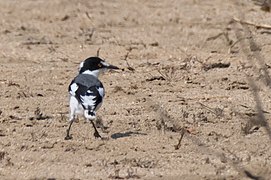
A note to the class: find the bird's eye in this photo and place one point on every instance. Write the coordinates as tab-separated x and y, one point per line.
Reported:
100	65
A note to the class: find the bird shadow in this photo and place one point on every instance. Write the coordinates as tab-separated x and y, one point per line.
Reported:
125	134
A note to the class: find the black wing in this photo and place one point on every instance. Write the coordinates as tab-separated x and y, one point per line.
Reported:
90	97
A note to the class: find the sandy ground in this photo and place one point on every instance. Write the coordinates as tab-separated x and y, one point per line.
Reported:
186	68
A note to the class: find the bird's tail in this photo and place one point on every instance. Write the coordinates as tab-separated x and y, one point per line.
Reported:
90	114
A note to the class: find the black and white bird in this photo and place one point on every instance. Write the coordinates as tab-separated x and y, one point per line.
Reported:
87	91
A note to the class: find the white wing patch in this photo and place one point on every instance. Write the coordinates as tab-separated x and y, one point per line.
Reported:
101	91
74	88
88	101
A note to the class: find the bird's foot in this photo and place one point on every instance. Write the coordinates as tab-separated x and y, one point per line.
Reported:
68	137
97	135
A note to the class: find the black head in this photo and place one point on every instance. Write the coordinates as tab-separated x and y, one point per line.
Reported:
95	64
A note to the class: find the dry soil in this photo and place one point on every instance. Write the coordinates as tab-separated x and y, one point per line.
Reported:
187	67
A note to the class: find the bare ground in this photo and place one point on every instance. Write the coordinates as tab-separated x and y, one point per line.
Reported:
186	65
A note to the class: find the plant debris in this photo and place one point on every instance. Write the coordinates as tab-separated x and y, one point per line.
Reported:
207	67
39	115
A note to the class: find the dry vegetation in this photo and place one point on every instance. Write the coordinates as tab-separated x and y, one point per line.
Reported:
192	100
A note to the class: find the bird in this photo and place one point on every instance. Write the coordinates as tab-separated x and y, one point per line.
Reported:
87	92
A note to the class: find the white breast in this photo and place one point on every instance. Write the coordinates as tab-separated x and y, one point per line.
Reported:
74	88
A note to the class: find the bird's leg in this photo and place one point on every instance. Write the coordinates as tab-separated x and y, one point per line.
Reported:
73	107
96	133
68	136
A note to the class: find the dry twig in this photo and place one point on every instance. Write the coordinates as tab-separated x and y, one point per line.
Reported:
263	26
183	131
98	52
254	49
217	111
225	34
126	57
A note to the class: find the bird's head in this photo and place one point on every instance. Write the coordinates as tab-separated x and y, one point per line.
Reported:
94	66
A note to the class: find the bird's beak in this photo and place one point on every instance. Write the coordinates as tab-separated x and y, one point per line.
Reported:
105	65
